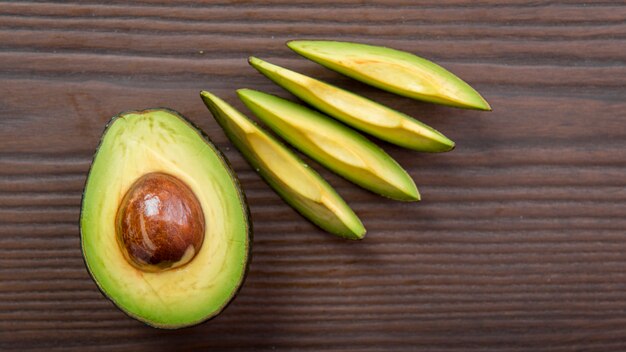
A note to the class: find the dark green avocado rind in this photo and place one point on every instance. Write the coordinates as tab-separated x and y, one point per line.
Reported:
242	199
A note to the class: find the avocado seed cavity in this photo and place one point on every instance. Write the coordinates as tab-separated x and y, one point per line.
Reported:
160	224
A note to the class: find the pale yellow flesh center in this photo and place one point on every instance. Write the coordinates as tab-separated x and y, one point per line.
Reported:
283	167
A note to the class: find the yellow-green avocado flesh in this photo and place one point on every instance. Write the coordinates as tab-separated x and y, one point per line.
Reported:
298	184
357	111
332	144
393	70
160	140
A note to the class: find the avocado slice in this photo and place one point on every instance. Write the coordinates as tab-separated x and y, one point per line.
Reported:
392	70
299	185
357	111
339	148
165	229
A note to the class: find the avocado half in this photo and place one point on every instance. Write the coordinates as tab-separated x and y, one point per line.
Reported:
135	146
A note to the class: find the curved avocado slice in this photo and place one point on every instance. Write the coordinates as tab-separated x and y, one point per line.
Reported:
333	145
392	70
357	111
299	185
139	143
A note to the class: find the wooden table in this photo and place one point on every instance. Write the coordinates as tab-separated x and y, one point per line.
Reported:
519	243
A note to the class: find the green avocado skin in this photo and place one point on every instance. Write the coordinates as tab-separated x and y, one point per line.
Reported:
337	147
283	171
392	70
357	111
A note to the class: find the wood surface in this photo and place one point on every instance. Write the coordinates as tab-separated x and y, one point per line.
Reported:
519	243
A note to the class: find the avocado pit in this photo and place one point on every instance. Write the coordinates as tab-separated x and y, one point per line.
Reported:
160	223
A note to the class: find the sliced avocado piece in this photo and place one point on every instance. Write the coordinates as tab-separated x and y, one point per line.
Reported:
339	148
357	111
392	70
299	185
165	229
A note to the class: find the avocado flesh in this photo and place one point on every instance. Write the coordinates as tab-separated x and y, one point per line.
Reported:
299	185
339	148
135	144
392	70
357	111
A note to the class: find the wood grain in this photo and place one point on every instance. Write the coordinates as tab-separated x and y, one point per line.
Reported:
518	245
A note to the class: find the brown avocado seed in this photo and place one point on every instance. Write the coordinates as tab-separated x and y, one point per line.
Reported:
160	223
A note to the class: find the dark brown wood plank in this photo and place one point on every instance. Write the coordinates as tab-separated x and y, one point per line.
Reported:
518	244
